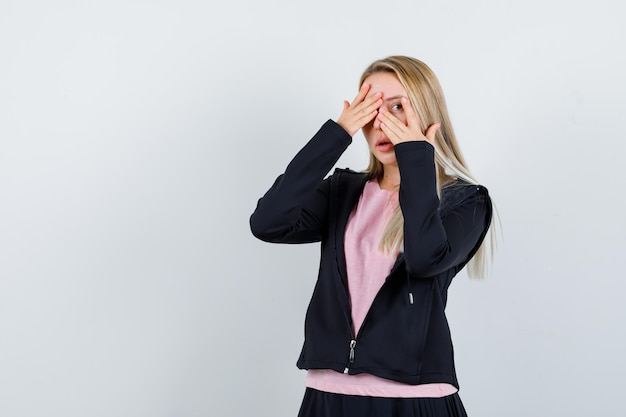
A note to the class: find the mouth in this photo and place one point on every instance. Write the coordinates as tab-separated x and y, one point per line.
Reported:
383	141
384	145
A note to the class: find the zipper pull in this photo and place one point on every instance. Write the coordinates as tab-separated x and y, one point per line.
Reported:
352	345
351	356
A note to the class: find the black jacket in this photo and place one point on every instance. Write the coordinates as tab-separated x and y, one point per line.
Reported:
405	335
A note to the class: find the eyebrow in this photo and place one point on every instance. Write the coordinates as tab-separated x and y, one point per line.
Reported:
394	98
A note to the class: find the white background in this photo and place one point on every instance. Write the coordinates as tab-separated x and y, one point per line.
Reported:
136	137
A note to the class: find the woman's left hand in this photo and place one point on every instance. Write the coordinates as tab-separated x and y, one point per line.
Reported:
397	131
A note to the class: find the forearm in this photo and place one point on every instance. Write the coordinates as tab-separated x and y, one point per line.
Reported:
435	240
296	201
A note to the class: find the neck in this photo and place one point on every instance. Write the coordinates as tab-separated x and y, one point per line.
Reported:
391	178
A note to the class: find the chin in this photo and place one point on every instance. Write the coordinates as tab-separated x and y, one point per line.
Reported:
387	159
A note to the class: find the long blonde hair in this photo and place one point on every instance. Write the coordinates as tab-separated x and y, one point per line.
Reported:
428	101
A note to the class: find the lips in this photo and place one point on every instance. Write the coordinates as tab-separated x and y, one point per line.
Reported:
384	145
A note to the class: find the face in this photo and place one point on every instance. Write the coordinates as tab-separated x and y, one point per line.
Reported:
392	92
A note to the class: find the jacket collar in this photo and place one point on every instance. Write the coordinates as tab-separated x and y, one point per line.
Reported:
346	189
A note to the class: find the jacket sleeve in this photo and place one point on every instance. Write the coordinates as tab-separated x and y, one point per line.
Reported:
295	208
436	240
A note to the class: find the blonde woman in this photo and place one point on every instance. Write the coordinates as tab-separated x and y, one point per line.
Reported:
377	342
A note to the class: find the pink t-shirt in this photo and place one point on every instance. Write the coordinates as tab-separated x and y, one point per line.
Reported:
367	269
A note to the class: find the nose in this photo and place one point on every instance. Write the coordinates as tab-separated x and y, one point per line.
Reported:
376	123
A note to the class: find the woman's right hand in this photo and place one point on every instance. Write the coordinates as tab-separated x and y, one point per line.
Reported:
361	111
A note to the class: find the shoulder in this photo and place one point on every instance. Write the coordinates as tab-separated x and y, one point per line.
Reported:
347	173
461	192
351	172
347	178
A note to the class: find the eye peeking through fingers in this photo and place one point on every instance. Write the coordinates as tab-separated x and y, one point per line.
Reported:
396	109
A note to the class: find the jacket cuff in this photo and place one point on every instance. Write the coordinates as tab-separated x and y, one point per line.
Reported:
413	152
332	130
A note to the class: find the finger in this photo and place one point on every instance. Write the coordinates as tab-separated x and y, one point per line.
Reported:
393	129
391	121
392	134
373	99
365	88
366	118
411	116
369	108
431	132
353	117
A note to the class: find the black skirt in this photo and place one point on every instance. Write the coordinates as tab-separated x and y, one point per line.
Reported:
325	404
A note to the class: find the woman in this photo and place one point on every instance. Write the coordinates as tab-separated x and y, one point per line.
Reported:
377	342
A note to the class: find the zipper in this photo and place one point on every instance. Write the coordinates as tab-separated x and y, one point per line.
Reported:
344	279
354	334
350	356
